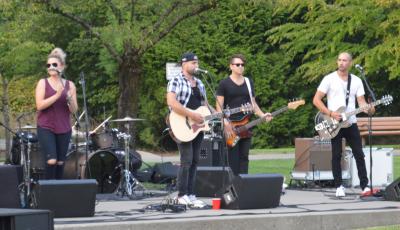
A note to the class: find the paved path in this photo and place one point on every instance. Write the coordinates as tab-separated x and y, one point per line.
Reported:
151	157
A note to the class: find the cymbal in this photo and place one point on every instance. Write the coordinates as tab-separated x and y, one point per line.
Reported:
28	127
126	119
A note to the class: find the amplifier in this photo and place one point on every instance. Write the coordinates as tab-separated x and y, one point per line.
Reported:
313	160
382	167
312	154
211	152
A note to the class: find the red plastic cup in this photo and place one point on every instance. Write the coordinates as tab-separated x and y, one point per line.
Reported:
216	203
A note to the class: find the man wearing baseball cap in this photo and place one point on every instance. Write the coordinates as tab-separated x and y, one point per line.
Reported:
188	92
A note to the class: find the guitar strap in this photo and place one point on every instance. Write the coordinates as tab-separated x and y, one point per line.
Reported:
348	89
249	89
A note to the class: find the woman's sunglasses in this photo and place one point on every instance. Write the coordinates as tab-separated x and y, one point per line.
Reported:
52	64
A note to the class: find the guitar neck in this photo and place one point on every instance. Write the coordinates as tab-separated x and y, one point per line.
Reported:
262	119
360	109
213	116
225	111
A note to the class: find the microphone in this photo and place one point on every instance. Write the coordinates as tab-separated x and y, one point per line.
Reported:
55	69
359	67
198	70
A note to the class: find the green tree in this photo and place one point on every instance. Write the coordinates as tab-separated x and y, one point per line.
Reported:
19	56
127	30
314	32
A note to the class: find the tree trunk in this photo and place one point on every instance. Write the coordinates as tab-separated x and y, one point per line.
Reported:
128	77
128	103
6	115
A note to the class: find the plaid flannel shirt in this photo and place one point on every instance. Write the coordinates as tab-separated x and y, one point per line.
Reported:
181	87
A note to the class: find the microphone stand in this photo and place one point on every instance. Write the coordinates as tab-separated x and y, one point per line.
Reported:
85	110
371	96
224	147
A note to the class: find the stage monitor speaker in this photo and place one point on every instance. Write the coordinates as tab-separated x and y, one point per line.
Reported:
164	172
312	154
22	219
66	198
392	191
209	181
253	191
211	152
10	178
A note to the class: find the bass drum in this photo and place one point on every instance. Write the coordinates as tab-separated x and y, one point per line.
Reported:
102	165
135	160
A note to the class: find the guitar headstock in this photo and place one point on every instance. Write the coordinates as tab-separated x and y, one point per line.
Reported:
246	108
387	99
296	103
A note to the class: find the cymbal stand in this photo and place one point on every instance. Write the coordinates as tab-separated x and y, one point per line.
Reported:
128	182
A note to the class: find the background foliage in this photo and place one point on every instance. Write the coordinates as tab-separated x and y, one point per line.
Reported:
289	44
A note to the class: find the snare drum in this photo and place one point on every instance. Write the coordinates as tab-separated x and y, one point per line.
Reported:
106	140
103	165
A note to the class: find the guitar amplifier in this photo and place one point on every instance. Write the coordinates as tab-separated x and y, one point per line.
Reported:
312	154
382	167
211	152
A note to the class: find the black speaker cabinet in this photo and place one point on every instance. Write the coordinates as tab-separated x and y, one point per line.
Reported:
392	191
315	155
10	178
164	172
209	180
253	191
211	151
66	198
22	219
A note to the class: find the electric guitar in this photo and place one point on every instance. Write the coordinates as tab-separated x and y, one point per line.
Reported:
242	128
184	129
328	127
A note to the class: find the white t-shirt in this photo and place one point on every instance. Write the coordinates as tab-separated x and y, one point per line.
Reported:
335	89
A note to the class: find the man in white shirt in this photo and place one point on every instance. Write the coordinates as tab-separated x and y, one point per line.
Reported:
335	86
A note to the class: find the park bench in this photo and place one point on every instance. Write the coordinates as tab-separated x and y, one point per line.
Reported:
381	126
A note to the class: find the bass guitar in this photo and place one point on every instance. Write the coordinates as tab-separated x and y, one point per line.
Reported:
242	128
185	129
328	127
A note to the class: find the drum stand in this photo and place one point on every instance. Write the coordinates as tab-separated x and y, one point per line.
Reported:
25	186
129	184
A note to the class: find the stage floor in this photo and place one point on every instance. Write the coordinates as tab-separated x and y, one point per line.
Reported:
299	209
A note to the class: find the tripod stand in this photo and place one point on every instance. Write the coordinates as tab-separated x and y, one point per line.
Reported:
25	138
128	184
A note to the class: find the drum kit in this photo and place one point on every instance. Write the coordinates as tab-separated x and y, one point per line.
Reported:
110	159
107	161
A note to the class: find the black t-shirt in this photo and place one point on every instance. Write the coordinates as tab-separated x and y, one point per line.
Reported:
195	99
235	95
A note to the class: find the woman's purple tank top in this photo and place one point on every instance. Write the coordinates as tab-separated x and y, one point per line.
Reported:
56	117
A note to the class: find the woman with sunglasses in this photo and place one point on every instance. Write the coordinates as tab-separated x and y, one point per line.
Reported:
55	101
235	91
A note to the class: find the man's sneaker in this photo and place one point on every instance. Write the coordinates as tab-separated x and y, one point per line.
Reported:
196	203
340	191
184	200
366	192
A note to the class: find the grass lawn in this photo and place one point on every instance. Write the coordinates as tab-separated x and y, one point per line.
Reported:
391	227
269	151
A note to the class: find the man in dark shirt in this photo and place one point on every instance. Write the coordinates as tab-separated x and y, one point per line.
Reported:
233	92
